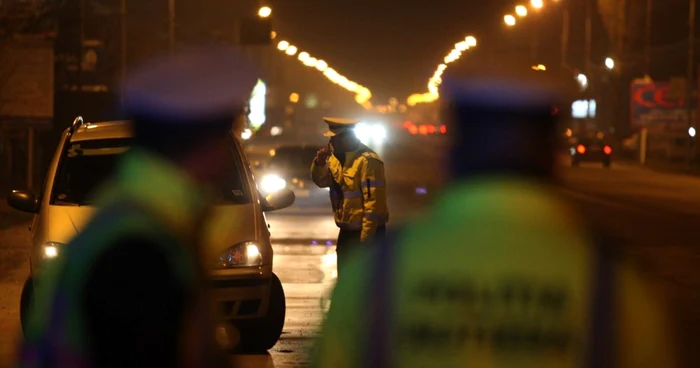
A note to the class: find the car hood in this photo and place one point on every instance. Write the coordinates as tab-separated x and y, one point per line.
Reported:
229	225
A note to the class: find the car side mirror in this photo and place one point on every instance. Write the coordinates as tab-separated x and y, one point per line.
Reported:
24	201
278	200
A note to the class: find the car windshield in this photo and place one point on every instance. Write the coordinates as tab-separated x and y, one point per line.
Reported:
293	158
87	164
590	141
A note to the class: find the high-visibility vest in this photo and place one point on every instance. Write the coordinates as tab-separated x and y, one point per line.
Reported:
499	273
357	190
56	334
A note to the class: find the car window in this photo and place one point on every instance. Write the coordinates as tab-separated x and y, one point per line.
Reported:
83	167
589	140
233	188
87	164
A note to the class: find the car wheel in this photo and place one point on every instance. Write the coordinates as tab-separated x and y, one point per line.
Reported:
261	334
25	303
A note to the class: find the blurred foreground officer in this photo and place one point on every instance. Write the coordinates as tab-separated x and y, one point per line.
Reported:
500	272
128	291
355	175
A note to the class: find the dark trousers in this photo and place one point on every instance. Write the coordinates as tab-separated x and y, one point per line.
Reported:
349	240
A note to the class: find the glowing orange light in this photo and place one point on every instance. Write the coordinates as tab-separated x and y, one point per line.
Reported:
443	129
413	129
581	149
607	150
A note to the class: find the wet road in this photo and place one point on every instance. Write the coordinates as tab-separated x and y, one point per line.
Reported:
653	215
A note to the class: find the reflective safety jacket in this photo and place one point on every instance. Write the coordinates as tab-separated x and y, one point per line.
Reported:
140	204
357	190
498	274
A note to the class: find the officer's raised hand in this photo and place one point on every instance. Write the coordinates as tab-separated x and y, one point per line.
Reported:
322	155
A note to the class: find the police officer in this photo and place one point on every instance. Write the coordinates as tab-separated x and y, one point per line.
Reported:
128	291
500	272
355	175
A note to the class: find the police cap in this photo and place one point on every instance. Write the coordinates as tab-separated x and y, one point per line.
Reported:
500	117
196	93
339	125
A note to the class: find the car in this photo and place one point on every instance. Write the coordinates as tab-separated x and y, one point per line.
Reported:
239	254
590	149
290	167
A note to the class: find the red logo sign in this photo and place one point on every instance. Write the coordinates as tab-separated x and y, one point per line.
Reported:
654	96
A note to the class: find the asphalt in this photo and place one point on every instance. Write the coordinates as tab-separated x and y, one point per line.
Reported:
652	216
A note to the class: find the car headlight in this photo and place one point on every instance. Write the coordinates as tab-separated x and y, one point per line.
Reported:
51	250
379	133
272	183
245	254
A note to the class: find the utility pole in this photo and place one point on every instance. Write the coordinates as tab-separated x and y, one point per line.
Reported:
689	76
588	40
171	26
82	51
123	48
535	45
565	37
647	39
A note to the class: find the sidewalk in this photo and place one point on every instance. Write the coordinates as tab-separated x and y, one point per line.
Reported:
692	169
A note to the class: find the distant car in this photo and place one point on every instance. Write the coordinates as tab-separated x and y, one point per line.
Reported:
246	293
290	168
590	149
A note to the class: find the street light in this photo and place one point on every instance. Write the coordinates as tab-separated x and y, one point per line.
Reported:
264	12
691	132
283	45
521	11
291	50
537	4
583	81
610	63
509	19
539	68
321	65
471	41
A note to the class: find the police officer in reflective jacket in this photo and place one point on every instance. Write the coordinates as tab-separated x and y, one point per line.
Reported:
129	290
355	176
499	272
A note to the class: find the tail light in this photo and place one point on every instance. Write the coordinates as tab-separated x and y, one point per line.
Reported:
443	129
607	150
581	149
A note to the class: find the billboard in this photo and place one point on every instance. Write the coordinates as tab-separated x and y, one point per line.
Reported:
651	107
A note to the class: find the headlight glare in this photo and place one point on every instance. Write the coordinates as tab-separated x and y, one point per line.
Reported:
245	254
272	183
50	250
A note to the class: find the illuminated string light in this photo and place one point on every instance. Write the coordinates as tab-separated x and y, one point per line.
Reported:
432	95
435	81
362	94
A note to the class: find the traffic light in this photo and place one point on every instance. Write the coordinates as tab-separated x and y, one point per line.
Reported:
256	31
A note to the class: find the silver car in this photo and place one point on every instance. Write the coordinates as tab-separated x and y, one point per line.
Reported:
238	252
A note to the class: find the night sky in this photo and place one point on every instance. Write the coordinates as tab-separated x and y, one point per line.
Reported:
393	46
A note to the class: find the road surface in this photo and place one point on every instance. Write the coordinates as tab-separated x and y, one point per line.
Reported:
653	215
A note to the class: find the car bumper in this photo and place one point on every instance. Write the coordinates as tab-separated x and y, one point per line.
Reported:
591	157
241	293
